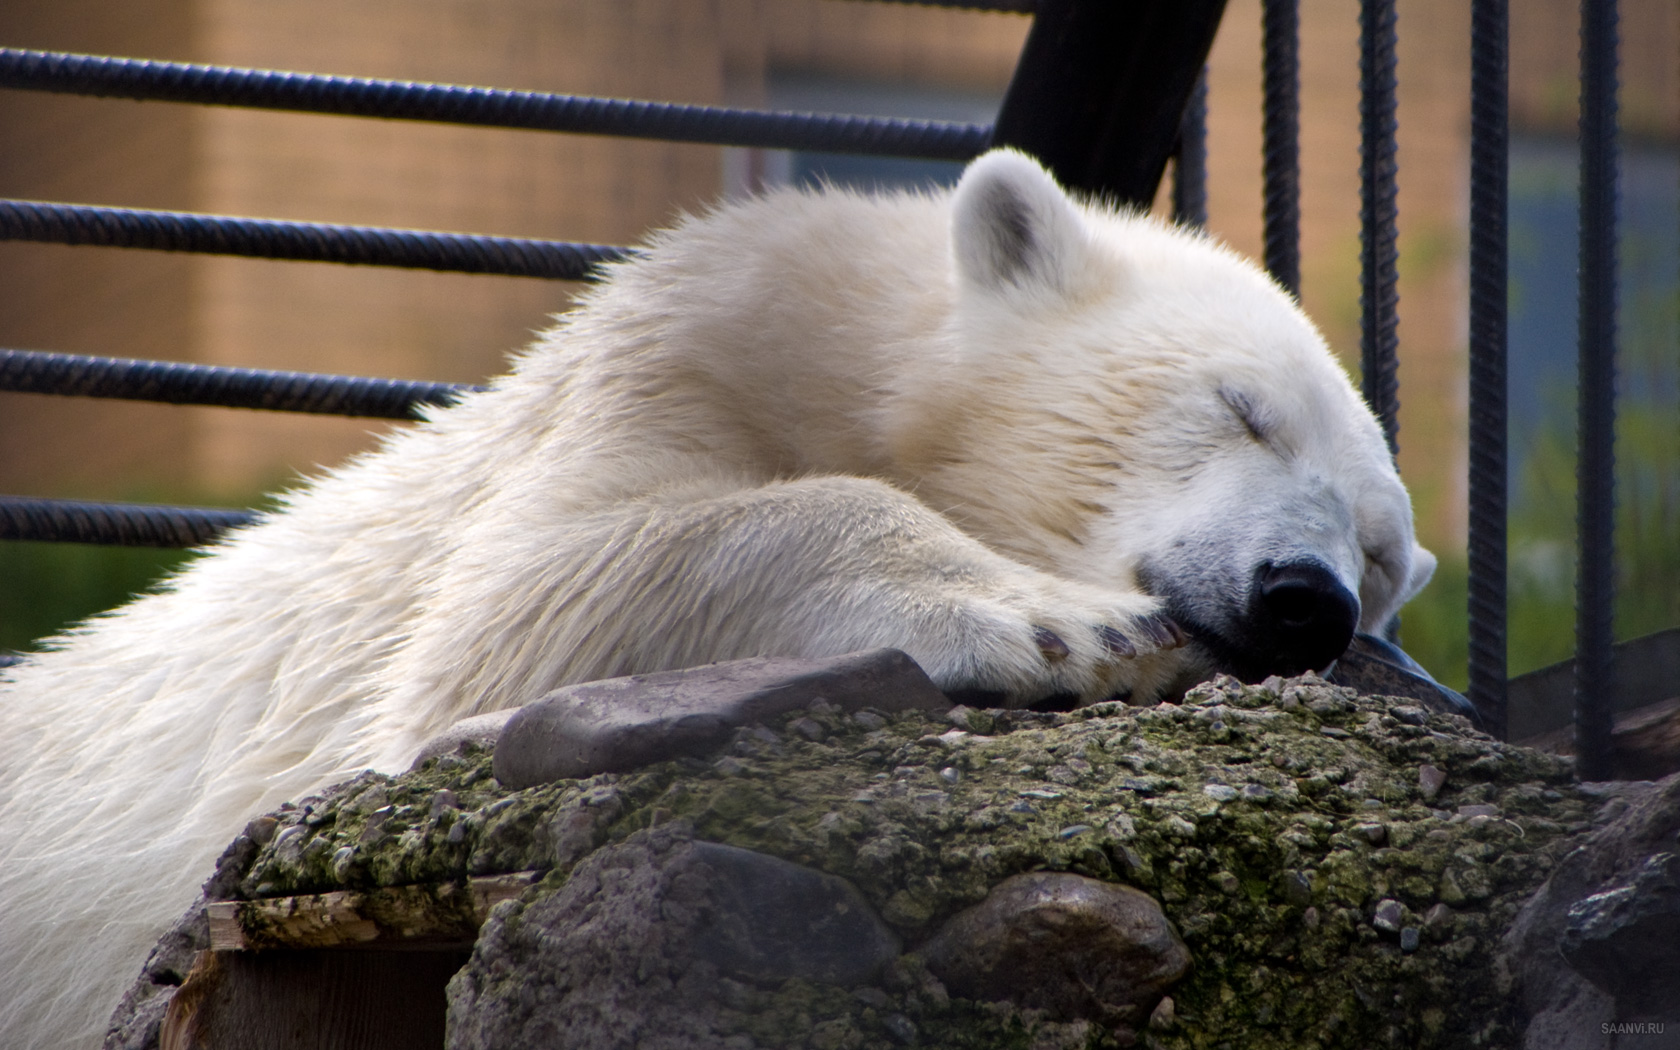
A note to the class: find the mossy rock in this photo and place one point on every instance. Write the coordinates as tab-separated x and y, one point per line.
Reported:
1327	896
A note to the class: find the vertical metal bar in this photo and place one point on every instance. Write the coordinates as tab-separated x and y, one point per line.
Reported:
1595	467
1100	88
1190	165
1281	46
1379	297
1489	176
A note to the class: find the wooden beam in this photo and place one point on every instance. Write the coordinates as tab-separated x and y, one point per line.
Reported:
439	915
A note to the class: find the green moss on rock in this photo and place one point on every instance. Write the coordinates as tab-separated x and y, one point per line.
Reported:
1284	828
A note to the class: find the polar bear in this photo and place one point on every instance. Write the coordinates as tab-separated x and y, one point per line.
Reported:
1032	441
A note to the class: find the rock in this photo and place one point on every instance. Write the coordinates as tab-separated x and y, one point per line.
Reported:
1590	950
623	723
770	920
1069	945
1626	940
1380	668
683	922
1388	915
479	730
1267	890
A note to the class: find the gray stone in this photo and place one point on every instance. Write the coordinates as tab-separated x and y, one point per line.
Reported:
482	730
771	919
623	723
1069	945
1563	926
1626	940
646	945
1372	665
1388	915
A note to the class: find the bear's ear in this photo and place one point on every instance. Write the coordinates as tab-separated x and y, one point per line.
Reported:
1423	567
1013	227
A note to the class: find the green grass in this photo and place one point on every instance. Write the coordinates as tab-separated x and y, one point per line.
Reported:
46	587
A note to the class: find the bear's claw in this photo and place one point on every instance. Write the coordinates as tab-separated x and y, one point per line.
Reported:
1162	630
1117	643
1050	644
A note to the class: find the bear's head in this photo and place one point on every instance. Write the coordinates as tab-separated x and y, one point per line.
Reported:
1131	404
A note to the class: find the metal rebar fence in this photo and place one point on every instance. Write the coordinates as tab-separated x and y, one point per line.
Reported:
1379	295
174	231
1489	163
1596	462
177	383
1281	131
1190	162
97	75
115	524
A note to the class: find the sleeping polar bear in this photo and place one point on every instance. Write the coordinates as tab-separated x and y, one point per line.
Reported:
1033	442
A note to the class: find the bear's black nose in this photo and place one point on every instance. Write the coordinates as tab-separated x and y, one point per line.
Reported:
1308	613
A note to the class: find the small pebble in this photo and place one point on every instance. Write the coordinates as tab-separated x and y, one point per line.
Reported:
1227	882
261	831
1430	780
868	720
1375	834
950	775
901	1028
1482	810
1310	918
1219	792
1298	888
1334	732
1162	1016
1073	831
1256	792
1409	939
442	802
1041	794
1412	716
809	728
873	997
729	766
1388	915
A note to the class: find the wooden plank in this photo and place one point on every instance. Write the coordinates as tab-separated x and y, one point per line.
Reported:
311	1000
441	914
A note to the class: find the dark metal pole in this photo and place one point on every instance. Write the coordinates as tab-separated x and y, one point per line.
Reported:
1281	44
1489	172
1100	90
1379	297
1595	467
1190	163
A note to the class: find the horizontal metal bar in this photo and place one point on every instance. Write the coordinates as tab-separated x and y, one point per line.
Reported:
68	73
174	231
178	383
114	524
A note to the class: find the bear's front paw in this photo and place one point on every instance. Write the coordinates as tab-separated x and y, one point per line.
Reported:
1021	650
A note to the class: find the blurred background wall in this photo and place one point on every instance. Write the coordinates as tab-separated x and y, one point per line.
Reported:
808	54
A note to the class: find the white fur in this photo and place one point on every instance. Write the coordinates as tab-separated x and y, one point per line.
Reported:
802	425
